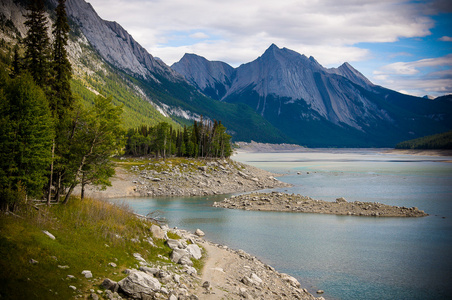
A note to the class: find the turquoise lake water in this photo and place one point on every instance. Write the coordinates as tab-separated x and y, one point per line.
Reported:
348	257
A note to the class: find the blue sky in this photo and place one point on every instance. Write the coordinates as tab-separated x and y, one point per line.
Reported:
402	45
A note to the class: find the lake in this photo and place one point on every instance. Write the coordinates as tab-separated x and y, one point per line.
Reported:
348	257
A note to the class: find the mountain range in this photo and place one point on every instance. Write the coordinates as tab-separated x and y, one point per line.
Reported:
282	96
314	105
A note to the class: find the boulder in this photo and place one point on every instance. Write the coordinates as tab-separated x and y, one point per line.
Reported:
341	200
256	279
199	232
194	251
291	280
174	244
139	284
149	270
111	285
157	232
177	254
87	274
139	257
185	261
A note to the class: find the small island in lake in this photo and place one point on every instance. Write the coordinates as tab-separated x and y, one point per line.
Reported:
277	201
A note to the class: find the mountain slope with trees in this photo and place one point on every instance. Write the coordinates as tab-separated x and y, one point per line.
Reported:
437	141
316	106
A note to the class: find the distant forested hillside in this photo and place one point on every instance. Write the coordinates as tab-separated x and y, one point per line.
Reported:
437	141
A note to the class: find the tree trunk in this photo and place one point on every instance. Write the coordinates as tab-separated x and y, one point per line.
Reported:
69	193
49	196
82	193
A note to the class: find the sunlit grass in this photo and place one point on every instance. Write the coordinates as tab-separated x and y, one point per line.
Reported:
90	234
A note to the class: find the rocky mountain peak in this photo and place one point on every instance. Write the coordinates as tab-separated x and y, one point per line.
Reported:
115	44
352	74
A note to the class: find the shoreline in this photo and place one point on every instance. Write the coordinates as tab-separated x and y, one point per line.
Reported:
229	273
283	202
420	152
188	177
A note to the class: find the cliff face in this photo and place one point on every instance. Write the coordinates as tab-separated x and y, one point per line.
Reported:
115	45
211	77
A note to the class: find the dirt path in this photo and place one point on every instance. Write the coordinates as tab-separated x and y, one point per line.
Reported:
235	274
214	272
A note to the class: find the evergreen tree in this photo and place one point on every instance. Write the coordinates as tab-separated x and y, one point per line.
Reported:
37	45
26	132
16	67
61	88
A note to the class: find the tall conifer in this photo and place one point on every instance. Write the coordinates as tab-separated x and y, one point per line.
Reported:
37	45
61	88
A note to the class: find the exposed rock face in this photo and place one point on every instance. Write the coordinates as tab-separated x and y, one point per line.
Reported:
211	77
115	45
294	92
286	74
296	203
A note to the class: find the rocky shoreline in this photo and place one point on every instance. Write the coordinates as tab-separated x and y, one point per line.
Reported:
227	274
277	201
188	177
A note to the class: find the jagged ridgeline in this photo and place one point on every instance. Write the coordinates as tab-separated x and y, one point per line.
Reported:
202	139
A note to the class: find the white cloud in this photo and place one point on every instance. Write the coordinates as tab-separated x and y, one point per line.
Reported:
446	39
199	36
328	28
432	75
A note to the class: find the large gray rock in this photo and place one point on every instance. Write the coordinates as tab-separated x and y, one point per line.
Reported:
157	232
138	284
194	251
87	274
149	270
185	261
174	244
177	254
111	285
291	280
199	232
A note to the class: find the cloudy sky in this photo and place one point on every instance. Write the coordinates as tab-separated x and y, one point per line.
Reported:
402	45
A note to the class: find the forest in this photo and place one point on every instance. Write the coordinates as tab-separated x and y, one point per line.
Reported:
51	141
437	141
202	139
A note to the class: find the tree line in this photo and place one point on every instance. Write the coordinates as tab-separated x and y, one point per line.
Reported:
49	143
437	141
202	139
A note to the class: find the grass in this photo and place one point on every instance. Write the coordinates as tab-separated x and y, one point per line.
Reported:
90	234
159	164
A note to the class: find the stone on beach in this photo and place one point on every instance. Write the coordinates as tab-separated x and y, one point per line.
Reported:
199	232
139	283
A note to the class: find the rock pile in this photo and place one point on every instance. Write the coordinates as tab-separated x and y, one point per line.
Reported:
199	178
242	275
276	201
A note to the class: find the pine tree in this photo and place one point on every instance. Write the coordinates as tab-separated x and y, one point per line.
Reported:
26	132
37	45
61	88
